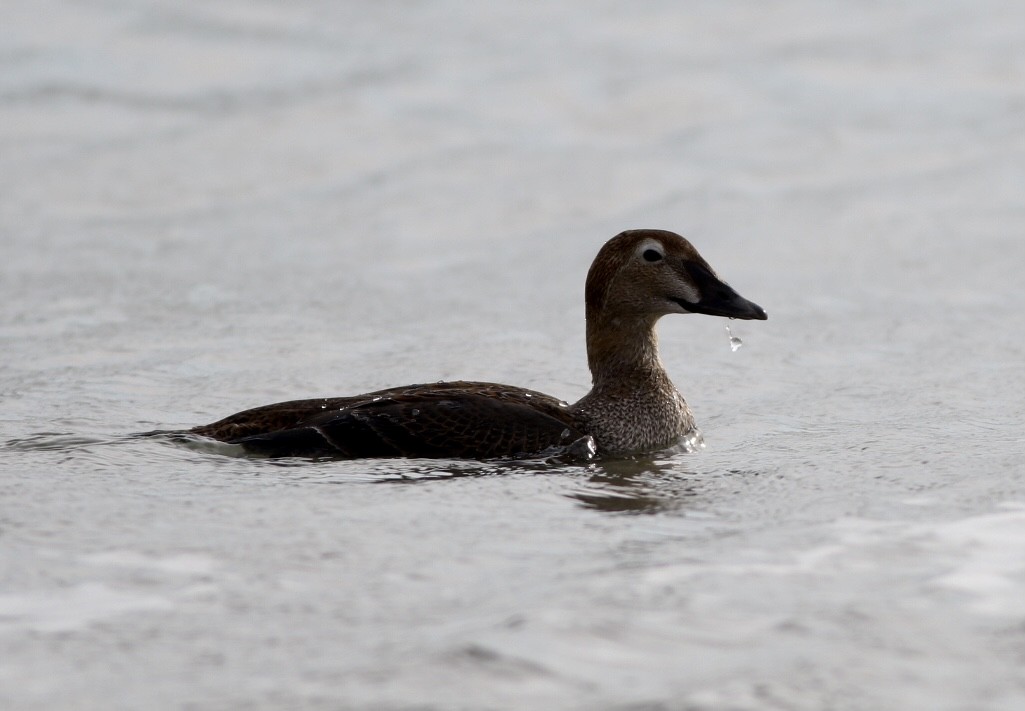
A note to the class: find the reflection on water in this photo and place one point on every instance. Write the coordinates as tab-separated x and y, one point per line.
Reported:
636	486
633	485
57	441
646	485
409	471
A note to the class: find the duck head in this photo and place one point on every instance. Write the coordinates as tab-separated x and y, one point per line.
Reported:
642	275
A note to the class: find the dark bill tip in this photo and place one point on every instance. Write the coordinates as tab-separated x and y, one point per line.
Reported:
743	309
735	307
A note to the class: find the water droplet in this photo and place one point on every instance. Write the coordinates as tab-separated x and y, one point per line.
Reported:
735	342
414	412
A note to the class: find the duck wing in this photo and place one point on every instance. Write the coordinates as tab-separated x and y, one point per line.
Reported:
457	420
280	416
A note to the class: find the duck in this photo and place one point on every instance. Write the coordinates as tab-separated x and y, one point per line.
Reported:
633	408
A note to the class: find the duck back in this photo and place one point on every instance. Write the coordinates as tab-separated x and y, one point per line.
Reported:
456	419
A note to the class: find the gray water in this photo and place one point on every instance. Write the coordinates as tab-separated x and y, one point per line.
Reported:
211	206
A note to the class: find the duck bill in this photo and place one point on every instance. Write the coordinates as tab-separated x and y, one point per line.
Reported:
719	299
732	305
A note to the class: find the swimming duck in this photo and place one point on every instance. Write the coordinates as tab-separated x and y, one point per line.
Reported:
633	407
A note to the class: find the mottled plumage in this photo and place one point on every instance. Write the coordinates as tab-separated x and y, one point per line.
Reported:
456	419
637	277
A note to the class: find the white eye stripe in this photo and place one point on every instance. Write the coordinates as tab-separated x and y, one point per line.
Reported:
650	250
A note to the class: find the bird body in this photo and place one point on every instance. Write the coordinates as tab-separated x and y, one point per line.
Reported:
633	407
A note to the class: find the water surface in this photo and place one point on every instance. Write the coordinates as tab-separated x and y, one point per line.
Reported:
208	207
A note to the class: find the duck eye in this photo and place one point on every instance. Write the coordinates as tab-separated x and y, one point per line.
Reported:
652	255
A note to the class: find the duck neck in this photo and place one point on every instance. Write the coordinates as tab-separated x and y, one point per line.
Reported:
622	353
